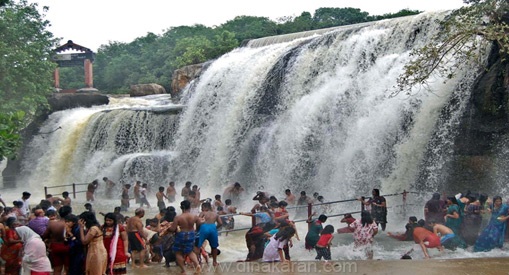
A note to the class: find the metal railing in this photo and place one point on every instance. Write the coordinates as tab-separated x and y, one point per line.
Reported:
73	185
310	206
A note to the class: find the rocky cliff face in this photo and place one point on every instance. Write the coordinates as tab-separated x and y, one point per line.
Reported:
481	149
184	76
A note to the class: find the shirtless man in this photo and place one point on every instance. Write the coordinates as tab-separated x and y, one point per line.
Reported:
290	197
233	192
195	202
136	237
67	199
208	229
171	192
124	199
136	191
185	190
109	185
160	198
58	249
448	239
184	239
91	187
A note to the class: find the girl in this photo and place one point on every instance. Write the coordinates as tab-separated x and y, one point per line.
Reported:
274	250
364	231
115	242
323	245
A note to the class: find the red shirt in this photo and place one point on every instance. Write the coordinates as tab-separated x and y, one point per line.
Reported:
324	240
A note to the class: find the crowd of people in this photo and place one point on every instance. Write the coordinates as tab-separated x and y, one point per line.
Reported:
50	238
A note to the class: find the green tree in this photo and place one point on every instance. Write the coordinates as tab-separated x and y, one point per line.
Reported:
330	17
25	69
465	36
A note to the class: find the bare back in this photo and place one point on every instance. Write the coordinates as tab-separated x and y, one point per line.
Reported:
210	217
55	231
134	224
186	222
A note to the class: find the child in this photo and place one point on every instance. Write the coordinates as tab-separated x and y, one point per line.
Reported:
274	250
323	245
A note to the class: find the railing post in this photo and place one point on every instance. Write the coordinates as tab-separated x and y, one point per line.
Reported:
74	190
310	212
404	202
45	191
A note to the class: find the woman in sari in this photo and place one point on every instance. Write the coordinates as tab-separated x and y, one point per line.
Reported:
493	235
97	257
115	242
34	260
11	249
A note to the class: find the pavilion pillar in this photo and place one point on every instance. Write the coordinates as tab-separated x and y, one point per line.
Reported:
56	78
89	76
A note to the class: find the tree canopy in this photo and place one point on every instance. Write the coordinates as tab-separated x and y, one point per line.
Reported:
154	58
25	69
465	36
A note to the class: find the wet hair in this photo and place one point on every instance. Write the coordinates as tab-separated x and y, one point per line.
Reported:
170	214
366	218
139	211
285	233
328	229
195	186
322	218
188	183
273	204
87	205
127	186
421	223
497	198
144	185
26	194
319	198
436	196
413	219
315	194
482	199
65	194
71	218
185	205
228	202
454	200
376	191
273	198
89	218
161	189
113	217
10	221
217	197
117	209
206	205
105	178
282	204
236	184
51	213
288	191
171	183
302	193
17	203
64	211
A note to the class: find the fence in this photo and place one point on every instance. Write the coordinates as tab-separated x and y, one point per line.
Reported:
310	206
60	186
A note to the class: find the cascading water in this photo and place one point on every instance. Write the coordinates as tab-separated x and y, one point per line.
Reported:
313	113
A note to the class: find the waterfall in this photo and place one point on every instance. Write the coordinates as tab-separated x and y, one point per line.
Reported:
308	113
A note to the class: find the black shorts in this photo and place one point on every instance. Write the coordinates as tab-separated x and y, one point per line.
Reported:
136	243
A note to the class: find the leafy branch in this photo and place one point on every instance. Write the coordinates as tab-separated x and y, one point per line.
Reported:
463	39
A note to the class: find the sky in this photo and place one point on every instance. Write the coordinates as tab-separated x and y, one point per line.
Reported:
91	23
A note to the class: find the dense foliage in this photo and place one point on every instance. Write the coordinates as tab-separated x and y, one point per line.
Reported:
465	36
25	69
153	58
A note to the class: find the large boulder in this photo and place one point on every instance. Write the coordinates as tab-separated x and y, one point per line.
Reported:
146	89
63	101
183	76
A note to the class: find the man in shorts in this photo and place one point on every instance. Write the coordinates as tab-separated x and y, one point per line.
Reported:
185	239
136	237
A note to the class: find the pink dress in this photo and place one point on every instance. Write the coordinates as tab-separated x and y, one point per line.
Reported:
363	235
